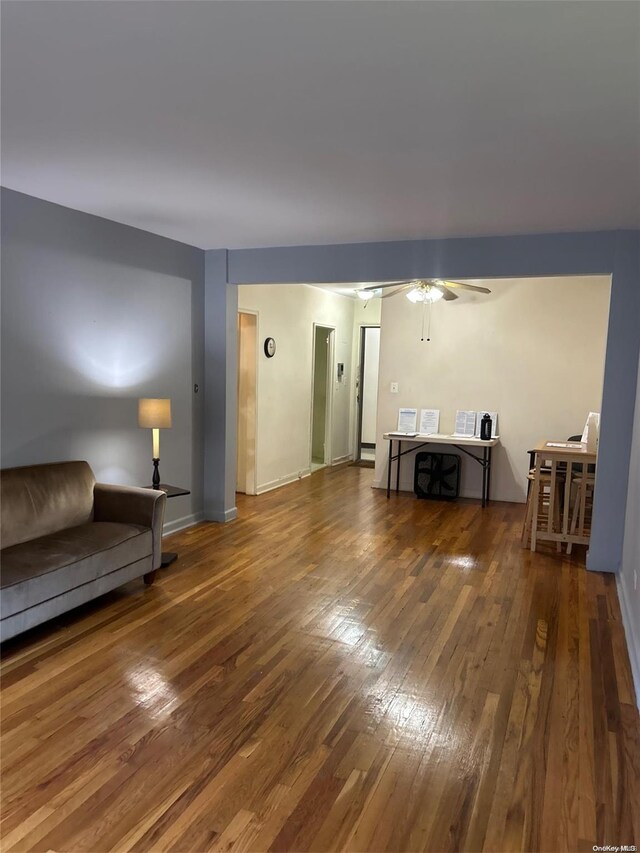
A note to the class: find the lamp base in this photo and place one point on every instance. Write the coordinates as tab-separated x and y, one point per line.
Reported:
156	474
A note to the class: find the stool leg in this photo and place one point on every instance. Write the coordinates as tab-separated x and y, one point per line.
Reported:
526	527
574	517
583	507
537	493
557	522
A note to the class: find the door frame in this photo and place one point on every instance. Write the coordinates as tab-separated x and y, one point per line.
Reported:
255	314
328	418
360	387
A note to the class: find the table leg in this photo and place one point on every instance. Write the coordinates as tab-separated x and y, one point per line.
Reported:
398	466
389	468
484	477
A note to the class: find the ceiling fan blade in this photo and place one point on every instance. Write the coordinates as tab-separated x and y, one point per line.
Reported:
382	285
397	290
464	286
448	295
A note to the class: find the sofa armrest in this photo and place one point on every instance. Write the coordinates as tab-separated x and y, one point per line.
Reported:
131	505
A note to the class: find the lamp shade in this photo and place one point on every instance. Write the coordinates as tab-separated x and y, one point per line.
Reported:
154	413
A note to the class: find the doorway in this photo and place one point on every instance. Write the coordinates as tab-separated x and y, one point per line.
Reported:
247	405
367	397
321	396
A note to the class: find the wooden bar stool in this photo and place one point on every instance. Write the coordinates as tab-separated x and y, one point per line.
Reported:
545	503
582	506
551	519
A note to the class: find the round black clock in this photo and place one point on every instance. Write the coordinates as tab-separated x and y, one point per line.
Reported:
269	347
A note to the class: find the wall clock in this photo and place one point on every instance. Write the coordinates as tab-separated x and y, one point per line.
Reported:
269	347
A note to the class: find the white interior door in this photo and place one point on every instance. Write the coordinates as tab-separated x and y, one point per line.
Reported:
321	396
371	358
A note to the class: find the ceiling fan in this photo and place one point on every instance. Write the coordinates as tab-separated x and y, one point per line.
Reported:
422	289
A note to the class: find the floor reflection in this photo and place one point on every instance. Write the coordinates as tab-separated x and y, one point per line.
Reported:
151	690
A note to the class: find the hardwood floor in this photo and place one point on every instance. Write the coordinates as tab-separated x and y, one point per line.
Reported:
332	671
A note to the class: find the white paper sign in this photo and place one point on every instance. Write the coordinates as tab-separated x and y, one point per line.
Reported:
407	419
571	445
465	423
429	421
494	423
585	431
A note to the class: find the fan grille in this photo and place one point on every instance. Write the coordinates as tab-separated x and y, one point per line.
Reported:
437	476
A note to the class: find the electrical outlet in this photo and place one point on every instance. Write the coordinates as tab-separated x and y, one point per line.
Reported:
394	387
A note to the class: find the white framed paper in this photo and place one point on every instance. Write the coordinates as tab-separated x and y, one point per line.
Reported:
407	420
465	423
429	421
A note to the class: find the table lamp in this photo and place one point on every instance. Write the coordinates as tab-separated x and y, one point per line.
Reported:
154	414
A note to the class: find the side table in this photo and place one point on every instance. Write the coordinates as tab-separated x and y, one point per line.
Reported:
169	557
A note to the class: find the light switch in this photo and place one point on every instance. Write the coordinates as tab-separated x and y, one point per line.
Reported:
394	387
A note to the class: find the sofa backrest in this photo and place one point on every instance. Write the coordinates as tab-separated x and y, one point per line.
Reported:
39	499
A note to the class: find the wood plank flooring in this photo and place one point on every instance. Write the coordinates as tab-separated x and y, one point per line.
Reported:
333	671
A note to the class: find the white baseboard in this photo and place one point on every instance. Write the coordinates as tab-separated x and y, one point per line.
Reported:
196	518
283	481
339	460
633	642
223	517
180	523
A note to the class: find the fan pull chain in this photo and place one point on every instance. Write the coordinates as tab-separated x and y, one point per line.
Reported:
426	306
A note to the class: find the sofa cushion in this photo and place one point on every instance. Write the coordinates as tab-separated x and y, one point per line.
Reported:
36	571
39	499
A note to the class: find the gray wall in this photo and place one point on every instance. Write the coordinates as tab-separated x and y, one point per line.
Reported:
629	578
221	388
94	315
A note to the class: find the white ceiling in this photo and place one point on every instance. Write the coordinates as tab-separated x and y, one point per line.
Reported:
232	124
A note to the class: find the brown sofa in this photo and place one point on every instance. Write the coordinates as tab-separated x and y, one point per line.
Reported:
66	539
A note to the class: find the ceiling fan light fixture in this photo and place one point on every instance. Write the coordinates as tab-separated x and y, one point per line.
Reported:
416	295
365	294
424	294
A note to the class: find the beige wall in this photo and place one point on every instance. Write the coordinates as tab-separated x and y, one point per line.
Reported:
532	350
287	313
247	378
